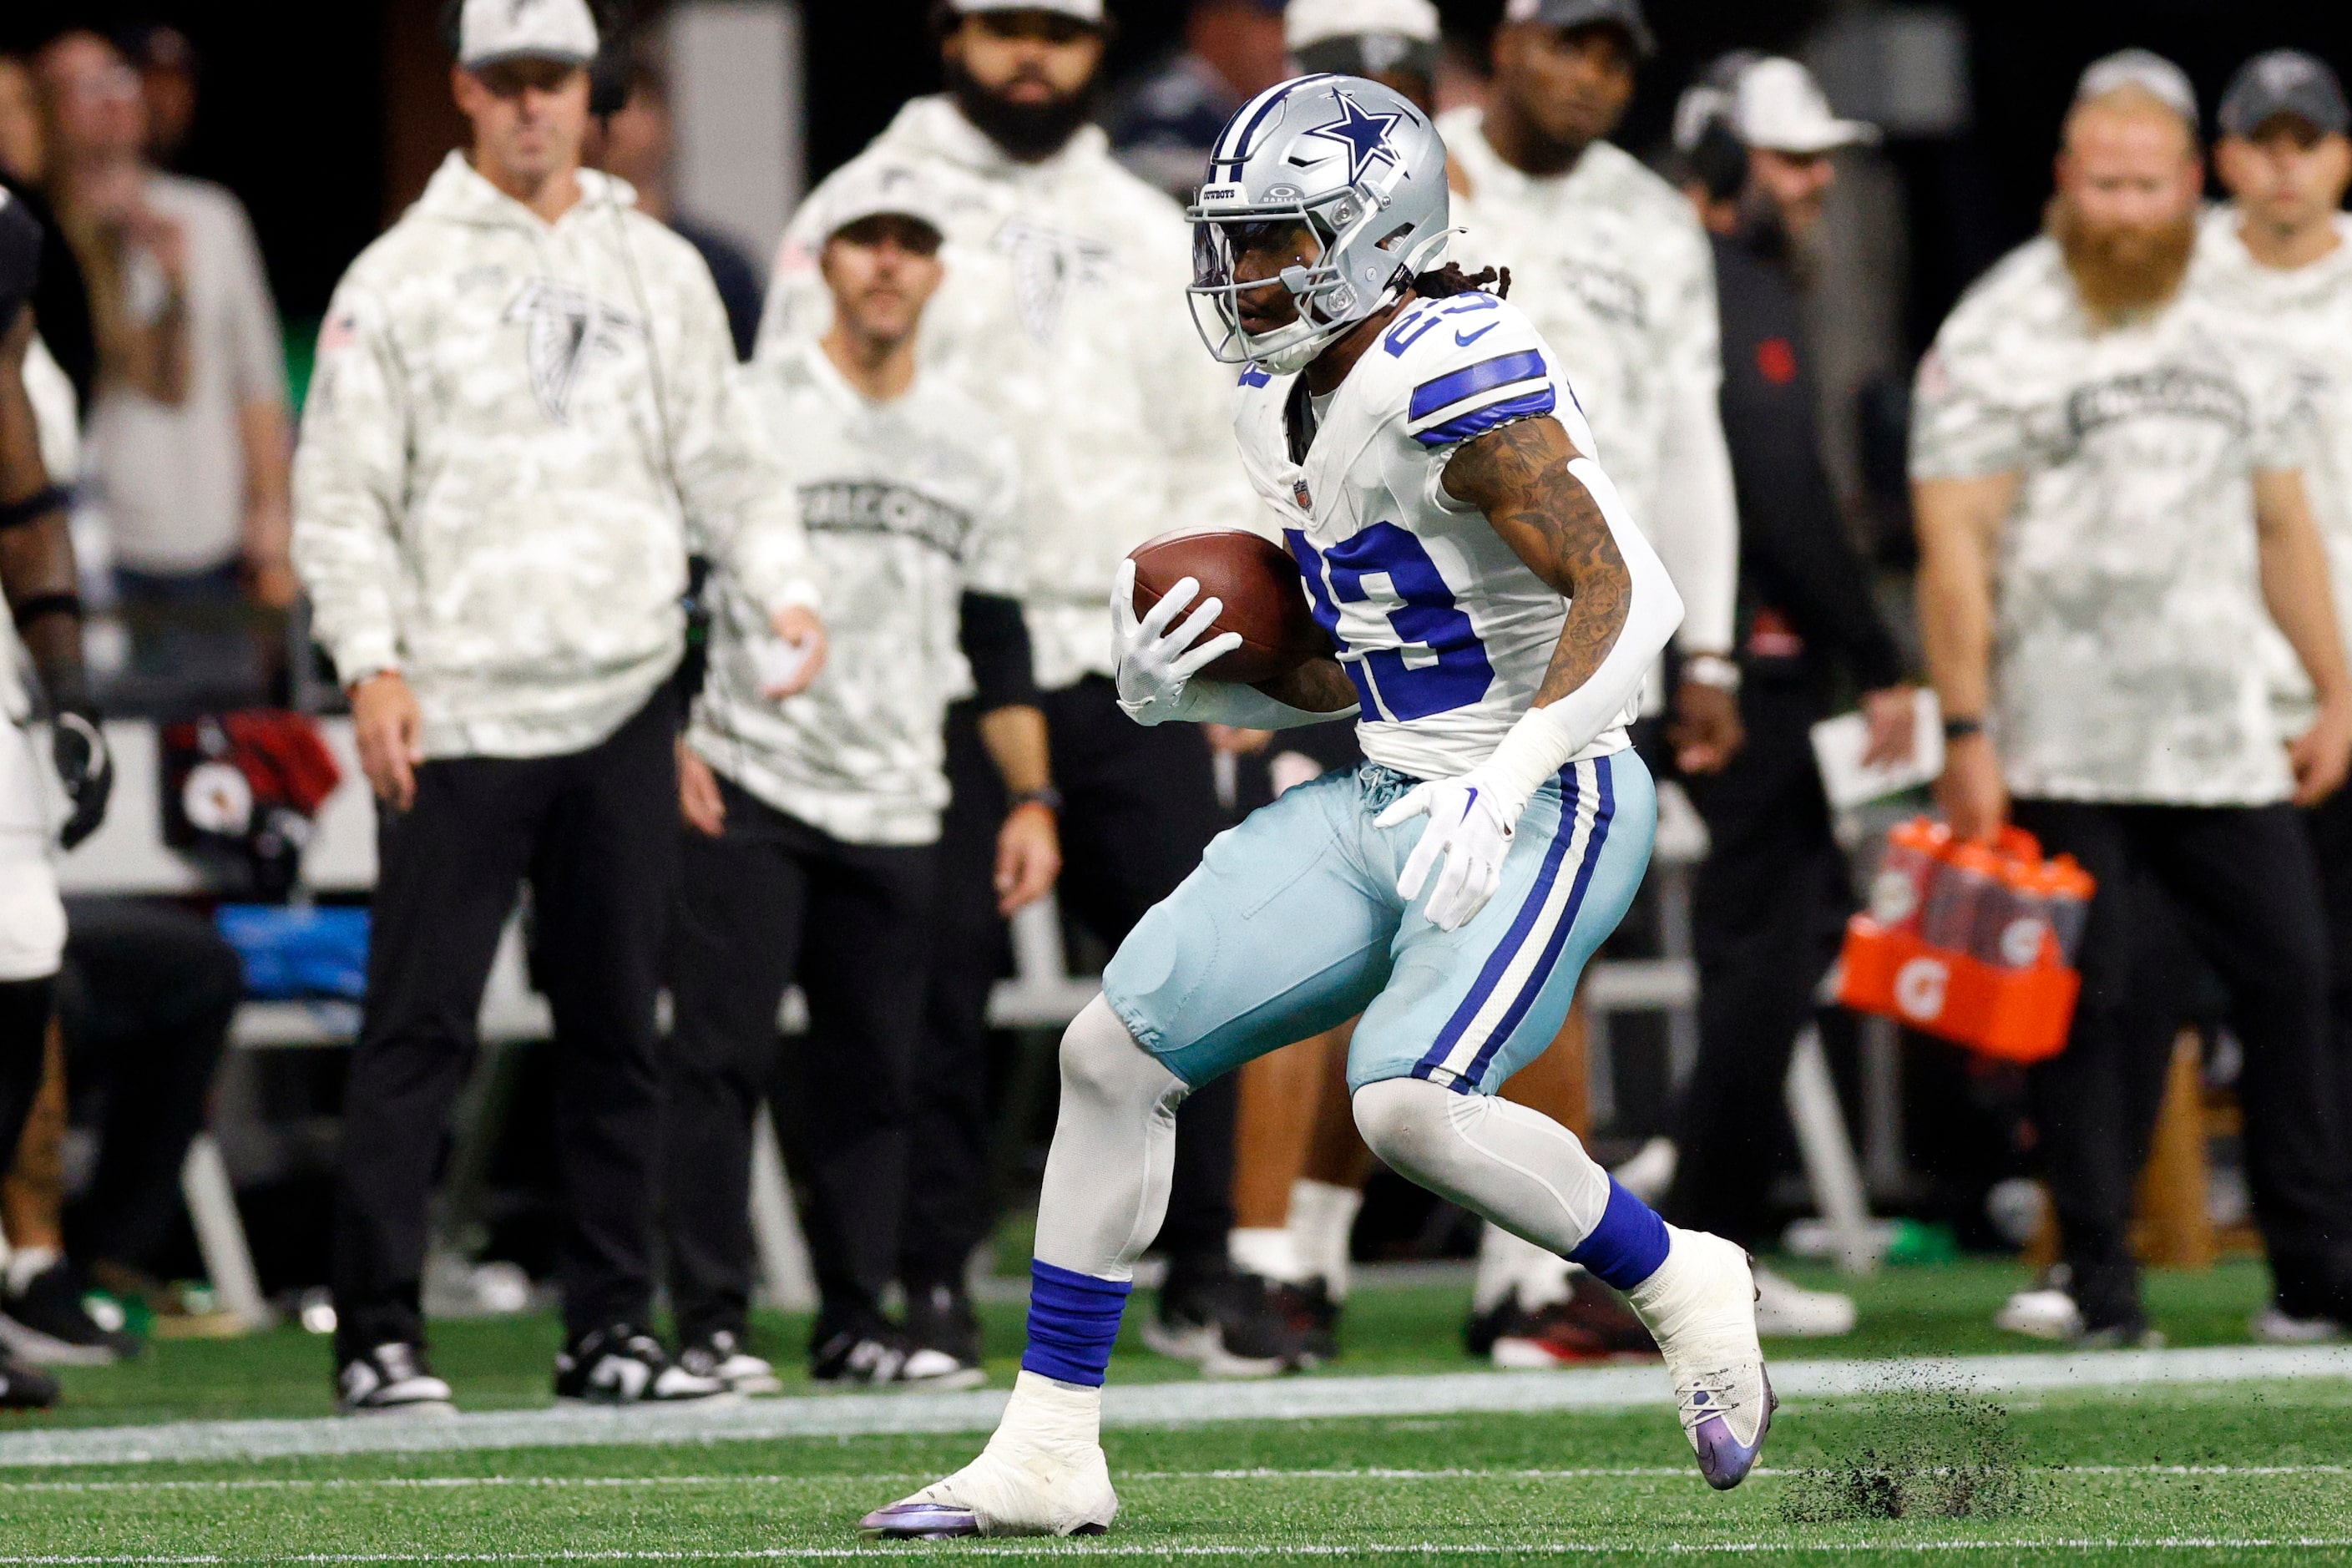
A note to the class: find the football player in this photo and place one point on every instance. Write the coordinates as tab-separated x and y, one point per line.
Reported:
1493	614
38	582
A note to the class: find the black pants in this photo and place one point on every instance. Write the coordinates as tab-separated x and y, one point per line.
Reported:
1766	915
2331	841
25	1010
2242	882
146	997
595	832
1140	808
771	900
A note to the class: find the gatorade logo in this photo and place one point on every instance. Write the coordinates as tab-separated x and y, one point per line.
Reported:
1919	987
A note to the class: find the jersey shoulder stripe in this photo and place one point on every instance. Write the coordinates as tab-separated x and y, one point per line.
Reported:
1465	404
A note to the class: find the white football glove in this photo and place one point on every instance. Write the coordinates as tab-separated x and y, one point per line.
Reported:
1154	663
1472	820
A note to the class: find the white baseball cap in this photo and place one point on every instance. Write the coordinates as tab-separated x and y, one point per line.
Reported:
1090	12
489	31
871	190
1310	22
1777	106
2144	69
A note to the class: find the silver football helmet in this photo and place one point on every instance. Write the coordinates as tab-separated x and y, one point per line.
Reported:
1355	161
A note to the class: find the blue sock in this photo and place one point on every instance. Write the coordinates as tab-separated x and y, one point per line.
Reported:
1073	1321
1628	1245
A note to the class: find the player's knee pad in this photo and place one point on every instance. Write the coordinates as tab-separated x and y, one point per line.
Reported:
1404	1122
1101	1062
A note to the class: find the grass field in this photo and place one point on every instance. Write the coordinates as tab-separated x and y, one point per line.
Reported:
2225	1473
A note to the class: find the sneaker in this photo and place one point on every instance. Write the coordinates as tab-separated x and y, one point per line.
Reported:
24	1386
1225	1324
885	1358
50	1323
1651	1171
1589	1325
941	1319
721	1355
1312	1315
2049	1311
625	1365
391	1380
1786	1309
2273	1326
1041	1474
1701	1306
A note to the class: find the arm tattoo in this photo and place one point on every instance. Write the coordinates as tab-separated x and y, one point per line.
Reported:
1517	475
1318	685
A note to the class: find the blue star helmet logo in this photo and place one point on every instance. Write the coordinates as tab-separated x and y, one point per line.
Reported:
1364	134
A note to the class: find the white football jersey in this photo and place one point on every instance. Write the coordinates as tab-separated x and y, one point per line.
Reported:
1445	632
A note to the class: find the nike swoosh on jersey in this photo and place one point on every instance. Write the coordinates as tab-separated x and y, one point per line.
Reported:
1464	340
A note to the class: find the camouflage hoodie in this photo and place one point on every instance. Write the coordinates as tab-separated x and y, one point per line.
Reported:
504	465
1063	314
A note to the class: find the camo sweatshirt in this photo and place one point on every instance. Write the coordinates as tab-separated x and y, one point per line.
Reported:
1064	312
517	434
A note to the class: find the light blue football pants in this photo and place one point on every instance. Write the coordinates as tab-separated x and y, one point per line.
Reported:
1292	925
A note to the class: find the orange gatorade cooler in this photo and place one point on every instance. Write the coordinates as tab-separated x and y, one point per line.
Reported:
1972	942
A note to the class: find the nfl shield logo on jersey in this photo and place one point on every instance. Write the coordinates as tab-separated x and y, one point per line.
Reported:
1298	491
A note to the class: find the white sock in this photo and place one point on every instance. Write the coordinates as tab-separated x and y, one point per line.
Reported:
27	1264
1266	1252
1055	1416
1322	1220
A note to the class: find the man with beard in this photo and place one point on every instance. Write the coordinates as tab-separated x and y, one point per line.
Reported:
2278	253
2106	472
1756	137
1063	310
1609	263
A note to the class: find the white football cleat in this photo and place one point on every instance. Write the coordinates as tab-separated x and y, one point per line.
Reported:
2044	1312
2273	1327
1701	1306
1041	1474
1786	1309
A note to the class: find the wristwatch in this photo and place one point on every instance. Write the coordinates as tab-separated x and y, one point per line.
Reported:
1958	727
1049	797
1712	670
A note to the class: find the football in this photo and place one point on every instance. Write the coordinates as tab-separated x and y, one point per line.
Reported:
1263	599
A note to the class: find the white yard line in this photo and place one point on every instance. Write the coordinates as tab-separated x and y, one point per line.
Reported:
1144	1404
1273	1550
565	1483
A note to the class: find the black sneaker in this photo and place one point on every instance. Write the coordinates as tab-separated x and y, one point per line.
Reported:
50	1324
885	1358
941	1319
1312	1315
625	1365
391	1380
1225	1324
721	1355
24	1386
1589	1324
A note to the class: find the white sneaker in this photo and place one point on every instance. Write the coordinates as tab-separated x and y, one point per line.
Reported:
391	1380
1786	1309
1043	1474
2273	1327
1651	1171
1701	1306
722	1356
2044	1312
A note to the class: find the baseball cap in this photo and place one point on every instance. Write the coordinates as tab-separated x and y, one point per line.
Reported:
1090	12
1625	14
2283	81
1362	37
1776	105
2142	69
871	190
489	31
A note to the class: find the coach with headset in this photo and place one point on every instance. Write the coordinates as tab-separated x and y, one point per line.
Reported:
522	425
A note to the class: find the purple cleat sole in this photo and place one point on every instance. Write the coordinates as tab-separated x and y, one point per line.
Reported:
1723	1460
918	1522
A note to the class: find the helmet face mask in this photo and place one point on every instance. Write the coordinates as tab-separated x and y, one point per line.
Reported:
1352	163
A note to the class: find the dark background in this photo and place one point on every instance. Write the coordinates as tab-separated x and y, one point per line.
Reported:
294	113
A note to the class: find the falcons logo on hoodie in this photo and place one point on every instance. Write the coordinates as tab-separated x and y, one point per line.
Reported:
1048	267
565	330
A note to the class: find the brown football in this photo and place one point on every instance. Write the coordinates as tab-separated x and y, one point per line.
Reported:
1263	599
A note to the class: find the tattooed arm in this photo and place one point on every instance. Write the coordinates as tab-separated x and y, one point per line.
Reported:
1518	475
